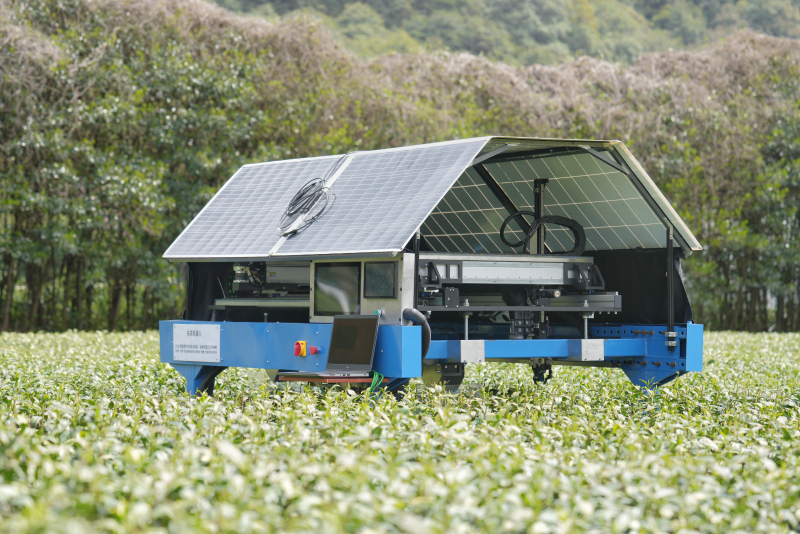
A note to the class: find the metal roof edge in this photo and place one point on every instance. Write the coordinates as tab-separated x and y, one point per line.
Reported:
377	150
658	197
285	257
467	166
553	140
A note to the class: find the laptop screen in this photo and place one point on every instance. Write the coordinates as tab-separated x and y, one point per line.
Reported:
353	341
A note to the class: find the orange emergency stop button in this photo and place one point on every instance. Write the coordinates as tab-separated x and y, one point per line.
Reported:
300	348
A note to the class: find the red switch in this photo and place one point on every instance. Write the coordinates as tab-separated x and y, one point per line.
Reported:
300	348
313	350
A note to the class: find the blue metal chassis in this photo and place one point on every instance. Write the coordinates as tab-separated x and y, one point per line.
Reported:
645	358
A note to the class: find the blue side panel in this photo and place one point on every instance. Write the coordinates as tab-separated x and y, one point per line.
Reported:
694	347
639	350
260	345
397	351
622	348
271	346
437	350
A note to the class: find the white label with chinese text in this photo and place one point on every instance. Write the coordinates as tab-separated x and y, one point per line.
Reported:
195	342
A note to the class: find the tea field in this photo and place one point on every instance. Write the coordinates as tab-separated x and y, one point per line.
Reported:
97	436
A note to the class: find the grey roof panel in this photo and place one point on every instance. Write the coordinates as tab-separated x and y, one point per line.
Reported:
242	218
382	197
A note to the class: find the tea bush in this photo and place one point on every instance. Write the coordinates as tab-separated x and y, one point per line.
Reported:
119	120
97	436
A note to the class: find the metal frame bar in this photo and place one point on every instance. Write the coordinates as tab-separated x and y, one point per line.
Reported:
538	199
607	161
670	290
588	309
415	300
528	154
501	195
642	354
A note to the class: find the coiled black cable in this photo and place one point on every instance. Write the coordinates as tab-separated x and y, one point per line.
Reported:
577	231
314	198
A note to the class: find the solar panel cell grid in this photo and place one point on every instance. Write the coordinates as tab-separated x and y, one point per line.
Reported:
242	219
581	187
382	196
468	220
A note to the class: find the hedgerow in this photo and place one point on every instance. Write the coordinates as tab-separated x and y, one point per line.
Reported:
119	119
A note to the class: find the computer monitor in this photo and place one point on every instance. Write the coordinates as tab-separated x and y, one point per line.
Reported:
337	288
353	343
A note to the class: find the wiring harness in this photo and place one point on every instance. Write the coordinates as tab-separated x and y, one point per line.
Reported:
377	380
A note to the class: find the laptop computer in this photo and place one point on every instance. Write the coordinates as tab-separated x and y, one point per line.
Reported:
352	347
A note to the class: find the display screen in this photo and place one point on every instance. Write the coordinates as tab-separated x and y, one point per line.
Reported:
380	280
353	340
337	288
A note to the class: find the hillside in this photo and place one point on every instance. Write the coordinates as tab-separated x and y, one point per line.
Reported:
527	32
119	119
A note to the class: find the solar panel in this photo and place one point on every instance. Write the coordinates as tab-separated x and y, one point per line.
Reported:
468	220
242	218
382	197
581	187
603	200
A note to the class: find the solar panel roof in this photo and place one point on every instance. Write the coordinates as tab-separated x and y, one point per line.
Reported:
242	218
580	186
381	197
451	191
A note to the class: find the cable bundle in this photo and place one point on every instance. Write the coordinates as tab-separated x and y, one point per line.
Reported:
577	231
377	380
308	204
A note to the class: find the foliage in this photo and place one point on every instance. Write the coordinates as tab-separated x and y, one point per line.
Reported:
120	119
535	31
97	436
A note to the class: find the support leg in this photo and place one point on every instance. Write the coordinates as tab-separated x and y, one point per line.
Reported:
199	378
397	387
452	376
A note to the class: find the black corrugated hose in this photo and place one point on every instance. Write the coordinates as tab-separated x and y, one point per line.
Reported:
418	318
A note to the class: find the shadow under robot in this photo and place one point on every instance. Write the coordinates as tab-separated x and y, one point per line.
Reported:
495	249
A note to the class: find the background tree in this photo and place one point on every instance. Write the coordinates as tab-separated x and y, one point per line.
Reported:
119	121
